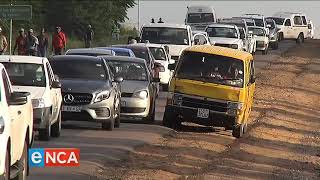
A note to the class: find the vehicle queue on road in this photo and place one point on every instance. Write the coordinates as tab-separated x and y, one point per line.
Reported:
206	65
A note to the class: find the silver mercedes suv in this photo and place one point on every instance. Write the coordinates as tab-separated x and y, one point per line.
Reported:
89	91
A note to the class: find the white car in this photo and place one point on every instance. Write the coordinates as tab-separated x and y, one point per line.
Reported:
259	20
34	75
16	130
176	36
162	57
199	17
225	35
292	26
310	30
261	37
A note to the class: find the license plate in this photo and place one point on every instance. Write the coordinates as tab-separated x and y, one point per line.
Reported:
203	113
71	108
123	103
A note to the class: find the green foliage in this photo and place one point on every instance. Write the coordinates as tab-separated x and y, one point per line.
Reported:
73	16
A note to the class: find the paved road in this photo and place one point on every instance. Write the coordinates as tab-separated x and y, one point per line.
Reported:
99	147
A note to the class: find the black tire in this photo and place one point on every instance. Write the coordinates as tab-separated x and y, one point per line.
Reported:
165	87
44	134
275	46
108	125
7	166
171	119
117	119
24	161
280	38
265	52
245	128
300	39
56	127
237	131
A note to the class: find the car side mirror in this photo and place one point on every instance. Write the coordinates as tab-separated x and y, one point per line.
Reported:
172	66
18	98
156	80
56	84
252	79
118	79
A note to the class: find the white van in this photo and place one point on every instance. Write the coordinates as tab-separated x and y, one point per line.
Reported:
199	17
291	25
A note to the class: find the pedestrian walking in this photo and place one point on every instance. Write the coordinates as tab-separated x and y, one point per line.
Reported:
21	43
43	43
32	43
3	43
59	41
88	37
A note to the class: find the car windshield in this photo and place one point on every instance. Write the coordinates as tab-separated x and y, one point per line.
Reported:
131	71
200	17
222	32
259	22
279	21
165	35
79	69
211	68
158	53
26	74
257	31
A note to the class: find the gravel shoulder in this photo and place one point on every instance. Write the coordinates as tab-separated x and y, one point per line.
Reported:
282	143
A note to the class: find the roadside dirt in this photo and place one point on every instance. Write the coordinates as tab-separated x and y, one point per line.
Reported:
283	141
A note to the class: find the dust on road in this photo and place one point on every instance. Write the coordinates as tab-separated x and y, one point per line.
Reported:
282	143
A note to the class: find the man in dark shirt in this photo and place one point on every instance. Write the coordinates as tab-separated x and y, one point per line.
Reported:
88	37
43	43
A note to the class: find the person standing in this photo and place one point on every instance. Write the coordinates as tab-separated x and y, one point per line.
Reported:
152	20
160	20
3	43
32	43
21	43
88	37
59	42
43	43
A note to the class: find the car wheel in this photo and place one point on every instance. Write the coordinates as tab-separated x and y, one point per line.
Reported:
265	52
165	87
300	39
237	131
151	115
108	125
56	127
245	128
44	134
280	38
24	162
171	119
7	166
117	119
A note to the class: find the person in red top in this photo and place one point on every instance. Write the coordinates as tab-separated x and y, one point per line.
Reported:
21	43
59	41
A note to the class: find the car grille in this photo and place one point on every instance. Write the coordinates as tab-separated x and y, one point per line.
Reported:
132	110
260	44
76	98
198	103
222	45
126	94
175	58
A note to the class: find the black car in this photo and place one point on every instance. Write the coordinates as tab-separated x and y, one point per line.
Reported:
89	90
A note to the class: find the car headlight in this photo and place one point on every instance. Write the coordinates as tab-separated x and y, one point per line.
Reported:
1	125
38	103
102	96
234	46
141	94
234	108
177	99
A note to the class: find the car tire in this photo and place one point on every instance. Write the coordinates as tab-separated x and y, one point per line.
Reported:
56	127
108	125
280	38
152	112
165	87
245	128
265	52
171	119
7	166
44	134
24	160
275	46
300	39
117	119
237	131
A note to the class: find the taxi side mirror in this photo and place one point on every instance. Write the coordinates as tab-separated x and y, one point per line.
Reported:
252	79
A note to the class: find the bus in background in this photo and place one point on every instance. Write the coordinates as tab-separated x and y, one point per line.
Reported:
199	17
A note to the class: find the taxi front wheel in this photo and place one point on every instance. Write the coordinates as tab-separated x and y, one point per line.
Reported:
237	130
171	119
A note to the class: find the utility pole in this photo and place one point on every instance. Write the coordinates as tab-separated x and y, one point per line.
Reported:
139	15
10	38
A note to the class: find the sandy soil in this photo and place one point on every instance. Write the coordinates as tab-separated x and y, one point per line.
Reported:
283	141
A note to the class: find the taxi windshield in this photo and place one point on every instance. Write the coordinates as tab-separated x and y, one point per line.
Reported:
211	68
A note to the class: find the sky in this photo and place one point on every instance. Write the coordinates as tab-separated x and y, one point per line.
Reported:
175	11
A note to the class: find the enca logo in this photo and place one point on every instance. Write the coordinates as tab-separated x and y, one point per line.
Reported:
50	157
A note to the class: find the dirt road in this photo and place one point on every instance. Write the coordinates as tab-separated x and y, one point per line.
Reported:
282	143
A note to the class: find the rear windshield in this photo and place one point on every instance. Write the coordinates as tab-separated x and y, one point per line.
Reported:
222	32
158	53
131	71
211	68
200	17
79	69
89	54
122	53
